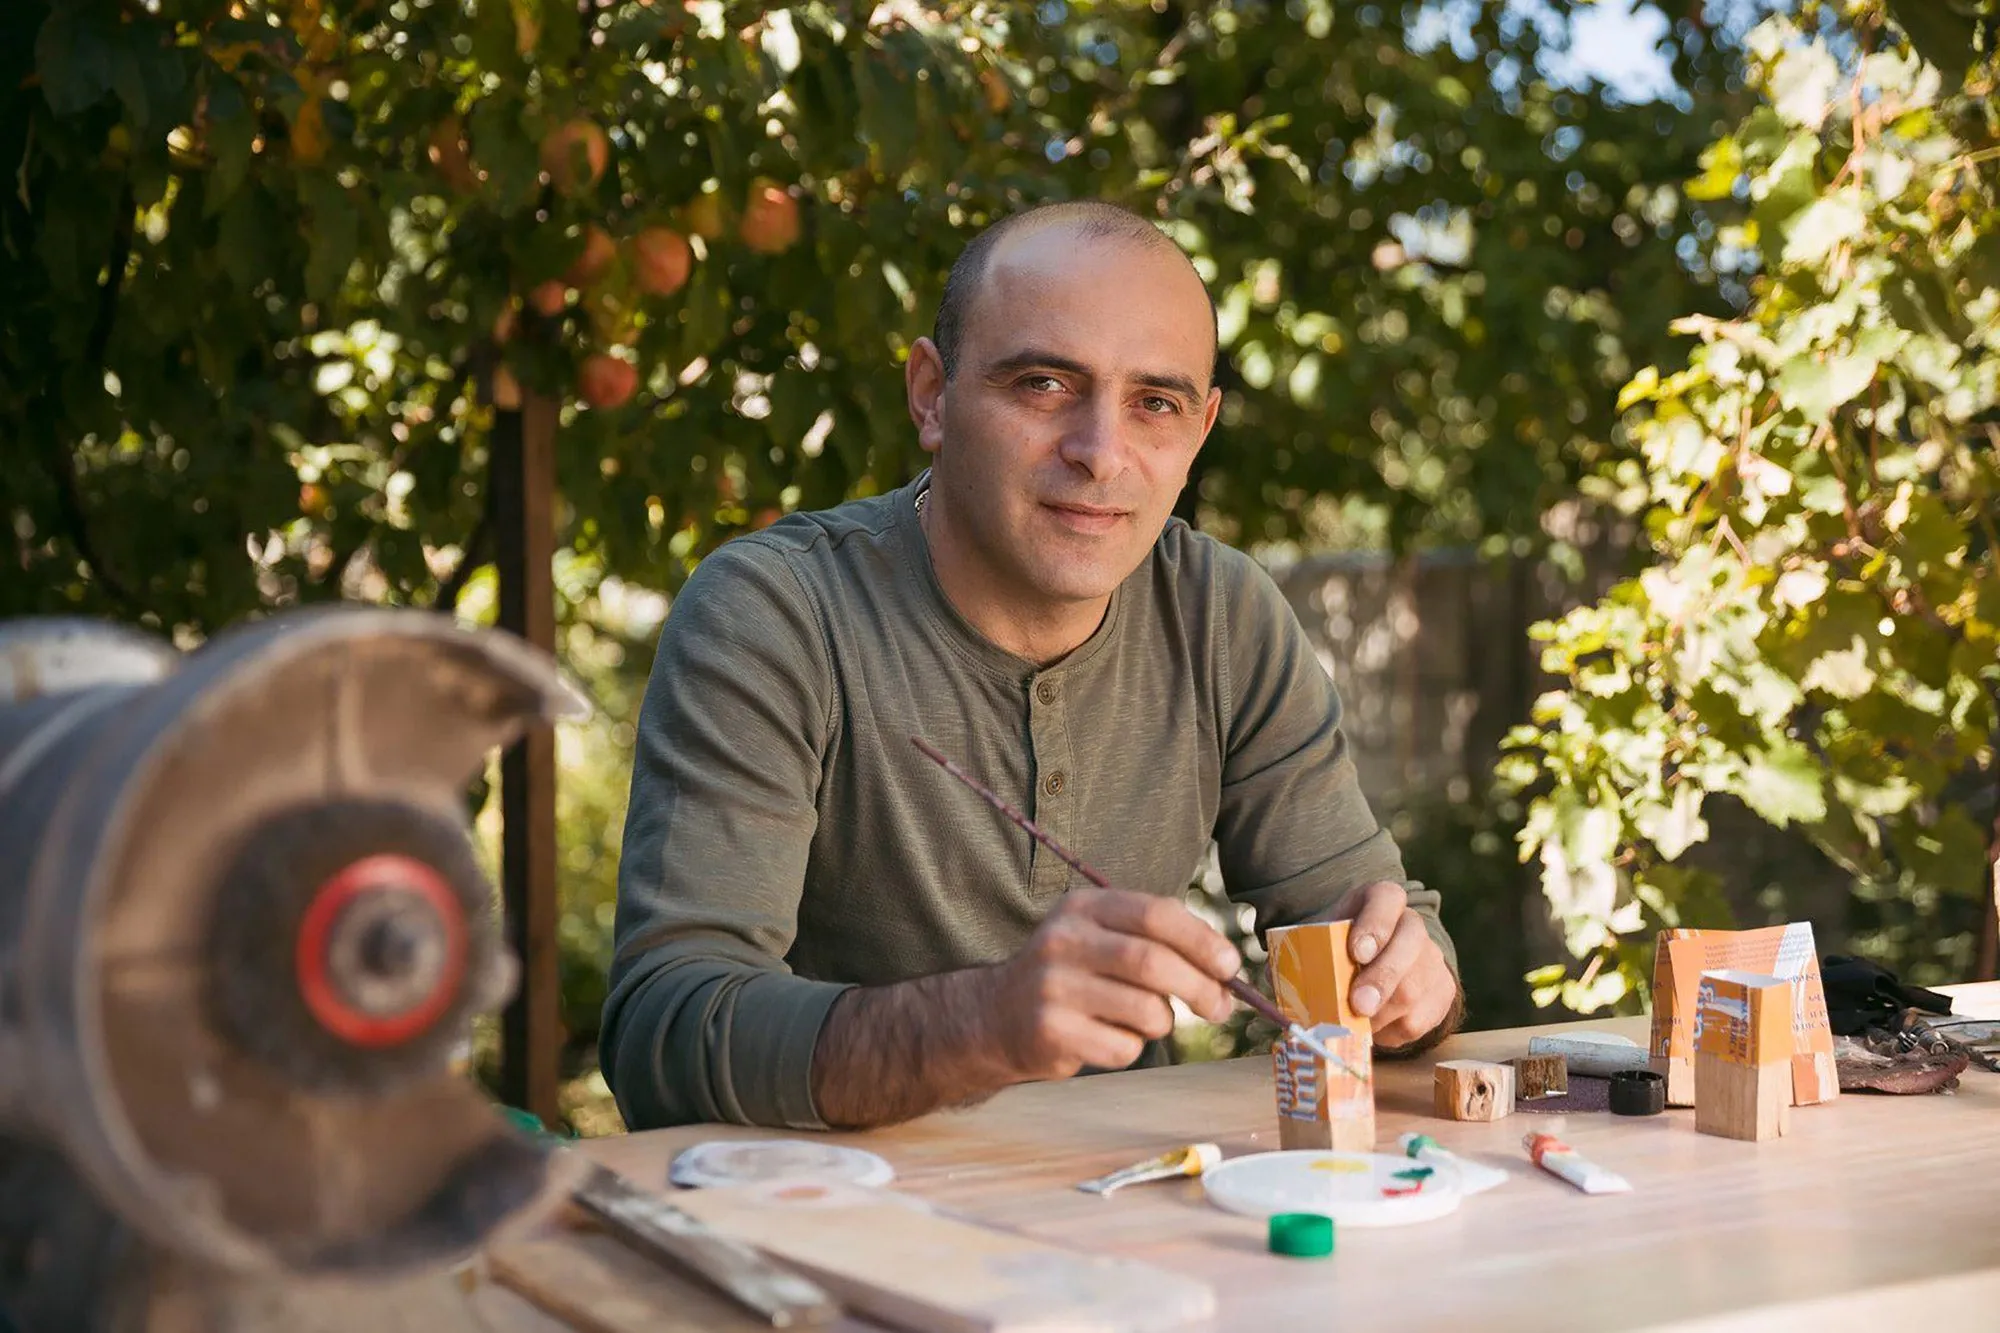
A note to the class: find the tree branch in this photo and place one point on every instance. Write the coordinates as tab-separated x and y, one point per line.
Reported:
61	459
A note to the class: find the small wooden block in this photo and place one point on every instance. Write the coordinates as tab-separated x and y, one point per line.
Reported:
1540	1076
1322	1106
1474	1090
1743	1055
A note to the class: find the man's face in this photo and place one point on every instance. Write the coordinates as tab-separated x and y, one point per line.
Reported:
1081	398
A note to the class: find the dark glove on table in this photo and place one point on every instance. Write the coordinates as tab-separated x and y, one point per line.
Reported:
1861	995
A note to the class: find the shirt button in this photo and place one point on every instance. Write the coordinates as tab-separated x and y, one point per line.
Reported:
1046	691
1054	783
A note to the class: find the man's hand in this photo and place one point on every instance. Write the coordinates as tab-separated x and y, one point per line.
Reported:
1403	982
1092	984
1088	988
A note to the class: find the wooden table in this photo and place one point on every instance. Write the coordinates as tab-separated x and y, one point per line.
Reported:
1873	1213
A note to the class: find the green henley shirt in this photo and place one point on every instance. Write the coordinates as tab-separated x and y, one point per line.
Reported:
785	840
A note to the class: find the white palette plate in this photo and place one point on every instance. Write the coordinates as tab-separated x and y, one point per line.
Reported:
1346	1186
743	1162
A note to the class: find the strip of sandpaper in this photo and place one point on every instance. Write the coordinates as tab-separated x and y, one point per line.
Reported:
1586	1093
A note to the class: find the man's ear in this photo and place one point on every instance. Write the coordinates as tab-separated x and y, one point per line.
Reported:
1209	414
923	386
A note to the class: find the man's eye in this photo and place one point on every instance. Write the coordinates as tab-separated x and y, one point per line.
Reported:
1159	404
1041	383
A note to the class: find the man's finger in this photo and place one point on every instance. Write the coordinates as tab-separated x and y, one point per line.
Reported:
1380	908
1143	1013
1073	1040
1424	1001
1154	968
1166	921
1377	983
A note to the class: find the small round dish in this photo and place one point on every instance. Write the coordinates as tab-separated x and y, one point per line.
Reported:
1354	1189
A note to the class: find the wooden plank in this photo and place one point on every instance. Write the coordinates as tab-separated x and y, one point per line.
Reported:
1713	1227
892	1258
651	1225
522	475
594	1284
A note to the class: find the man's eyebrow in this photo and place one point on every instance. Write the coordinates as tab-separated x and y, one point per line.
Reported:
1173	383
1034	358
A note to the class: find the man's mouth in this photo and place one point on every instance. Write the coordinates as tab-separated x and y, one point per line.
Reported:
1087	518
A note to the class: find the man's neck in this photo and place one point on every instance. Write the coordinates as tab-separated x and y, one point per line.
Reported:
1041	633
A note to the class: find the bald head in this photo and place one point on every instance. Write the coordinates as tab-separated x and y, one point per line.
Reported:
1087	221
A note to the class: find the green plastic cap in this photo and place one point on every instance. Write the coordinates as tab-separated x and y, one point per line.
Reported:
1302	1235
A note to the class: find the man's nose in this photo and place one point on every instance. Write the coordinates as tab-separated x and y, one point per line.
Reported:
1095	438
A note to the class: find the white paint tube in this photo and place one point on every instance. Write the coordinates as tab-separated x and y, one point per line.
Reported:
1189	1161
1564	1162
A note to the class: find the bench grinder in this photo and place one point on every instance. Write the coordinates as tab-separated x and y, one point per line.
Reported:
242	933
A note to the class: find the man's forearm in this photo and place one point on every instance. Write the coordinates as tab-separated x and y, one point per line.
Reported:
892	1053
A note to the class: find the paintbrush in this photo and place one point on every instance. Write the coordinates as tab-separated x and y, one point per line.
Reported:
1236	986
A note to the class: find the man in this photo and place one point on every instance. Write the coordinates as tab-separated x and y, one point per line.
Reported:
817	927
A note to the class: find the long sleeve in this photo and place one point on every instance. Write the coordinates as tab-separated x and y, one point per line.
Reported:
1294	830
704	1021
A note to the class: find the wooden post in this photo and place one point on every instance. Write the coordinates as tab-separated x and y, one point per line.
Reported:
1321	1105
1743	1055
1311	974
521	472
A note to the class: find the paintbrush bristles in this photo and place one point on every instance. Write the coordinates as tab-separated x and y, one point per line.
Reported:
1032	829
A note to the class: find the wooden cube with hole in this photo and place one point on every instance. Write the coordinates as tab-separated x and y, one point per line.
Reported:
1474	1090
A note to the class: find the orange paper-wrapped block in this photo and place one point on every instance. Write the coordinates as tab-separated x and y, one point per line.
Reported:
1322	1105
1784	952
1743	1055
1311	973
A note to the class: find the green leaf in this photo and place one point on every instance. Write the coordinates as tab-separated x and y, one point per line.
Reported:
245	236
1676	827
1813	232
1814	389
231	132
1844	674
1642	386
334	232
1787	185
74	58
1782	784
1802	85
1722	164
1941	32
128	79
